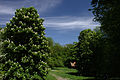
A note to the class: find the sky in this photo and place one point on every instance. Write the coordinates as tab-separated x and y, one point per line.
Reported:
64	19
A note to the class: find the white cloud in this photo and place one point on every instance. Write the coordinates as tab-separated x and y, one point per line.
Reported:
9	7
6	10
43	5
70	22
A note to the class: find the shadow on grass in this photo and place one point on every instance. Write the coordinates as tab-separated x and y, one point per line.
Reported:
77	74
104	77
84	77
73	73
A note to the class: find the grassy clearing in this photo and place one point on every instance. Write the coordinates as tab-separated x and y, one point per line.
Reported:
68	73
50	77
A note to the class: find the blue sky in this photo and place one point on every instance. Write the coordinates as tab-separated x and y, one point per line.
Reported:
64	19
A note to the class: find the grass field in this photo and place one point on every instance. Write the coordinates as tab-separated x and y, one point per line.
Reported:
70	74
50	77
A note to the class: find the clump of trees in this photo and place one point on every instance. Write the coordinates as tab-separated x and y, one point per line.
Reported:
57	54
24	47
97	52
70	54
91	53
107	12
88	52
60	56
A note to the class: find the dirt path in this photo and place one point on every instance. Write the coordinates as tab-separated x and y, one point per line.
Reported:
58	77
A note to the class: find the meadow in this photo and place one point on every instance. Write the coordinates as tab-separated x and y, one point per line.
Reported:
66	73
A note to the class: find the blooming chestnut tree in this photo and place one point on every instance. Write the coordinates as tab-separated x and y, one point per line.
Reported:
24	46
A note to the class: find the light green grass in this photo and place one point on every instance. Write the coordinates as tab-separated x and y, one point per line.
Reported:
50	77
69	74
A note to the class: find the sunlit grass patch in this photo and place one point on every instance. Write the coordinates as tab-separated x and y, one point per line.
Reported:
68	73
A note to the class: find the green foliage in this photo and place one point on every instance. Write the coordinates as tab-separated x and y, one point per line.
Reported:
70	54
61	55
84	52
107	12
24	47
57	56
87	52
50	42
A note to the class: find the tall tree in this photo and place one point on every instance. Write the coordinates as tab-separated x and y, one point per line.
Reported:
107	13
84	53
88	54
25	47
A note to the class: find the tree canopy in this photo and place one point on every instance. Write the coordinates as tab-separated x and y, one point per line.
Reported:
107	12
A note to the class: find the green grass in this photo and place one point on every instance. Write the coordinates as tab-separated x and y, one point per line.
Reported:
68	73
50	77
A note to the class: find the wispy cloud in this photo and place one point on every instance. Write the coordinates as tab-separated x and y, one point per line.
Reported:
70	22
42	5
6	10
9	7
